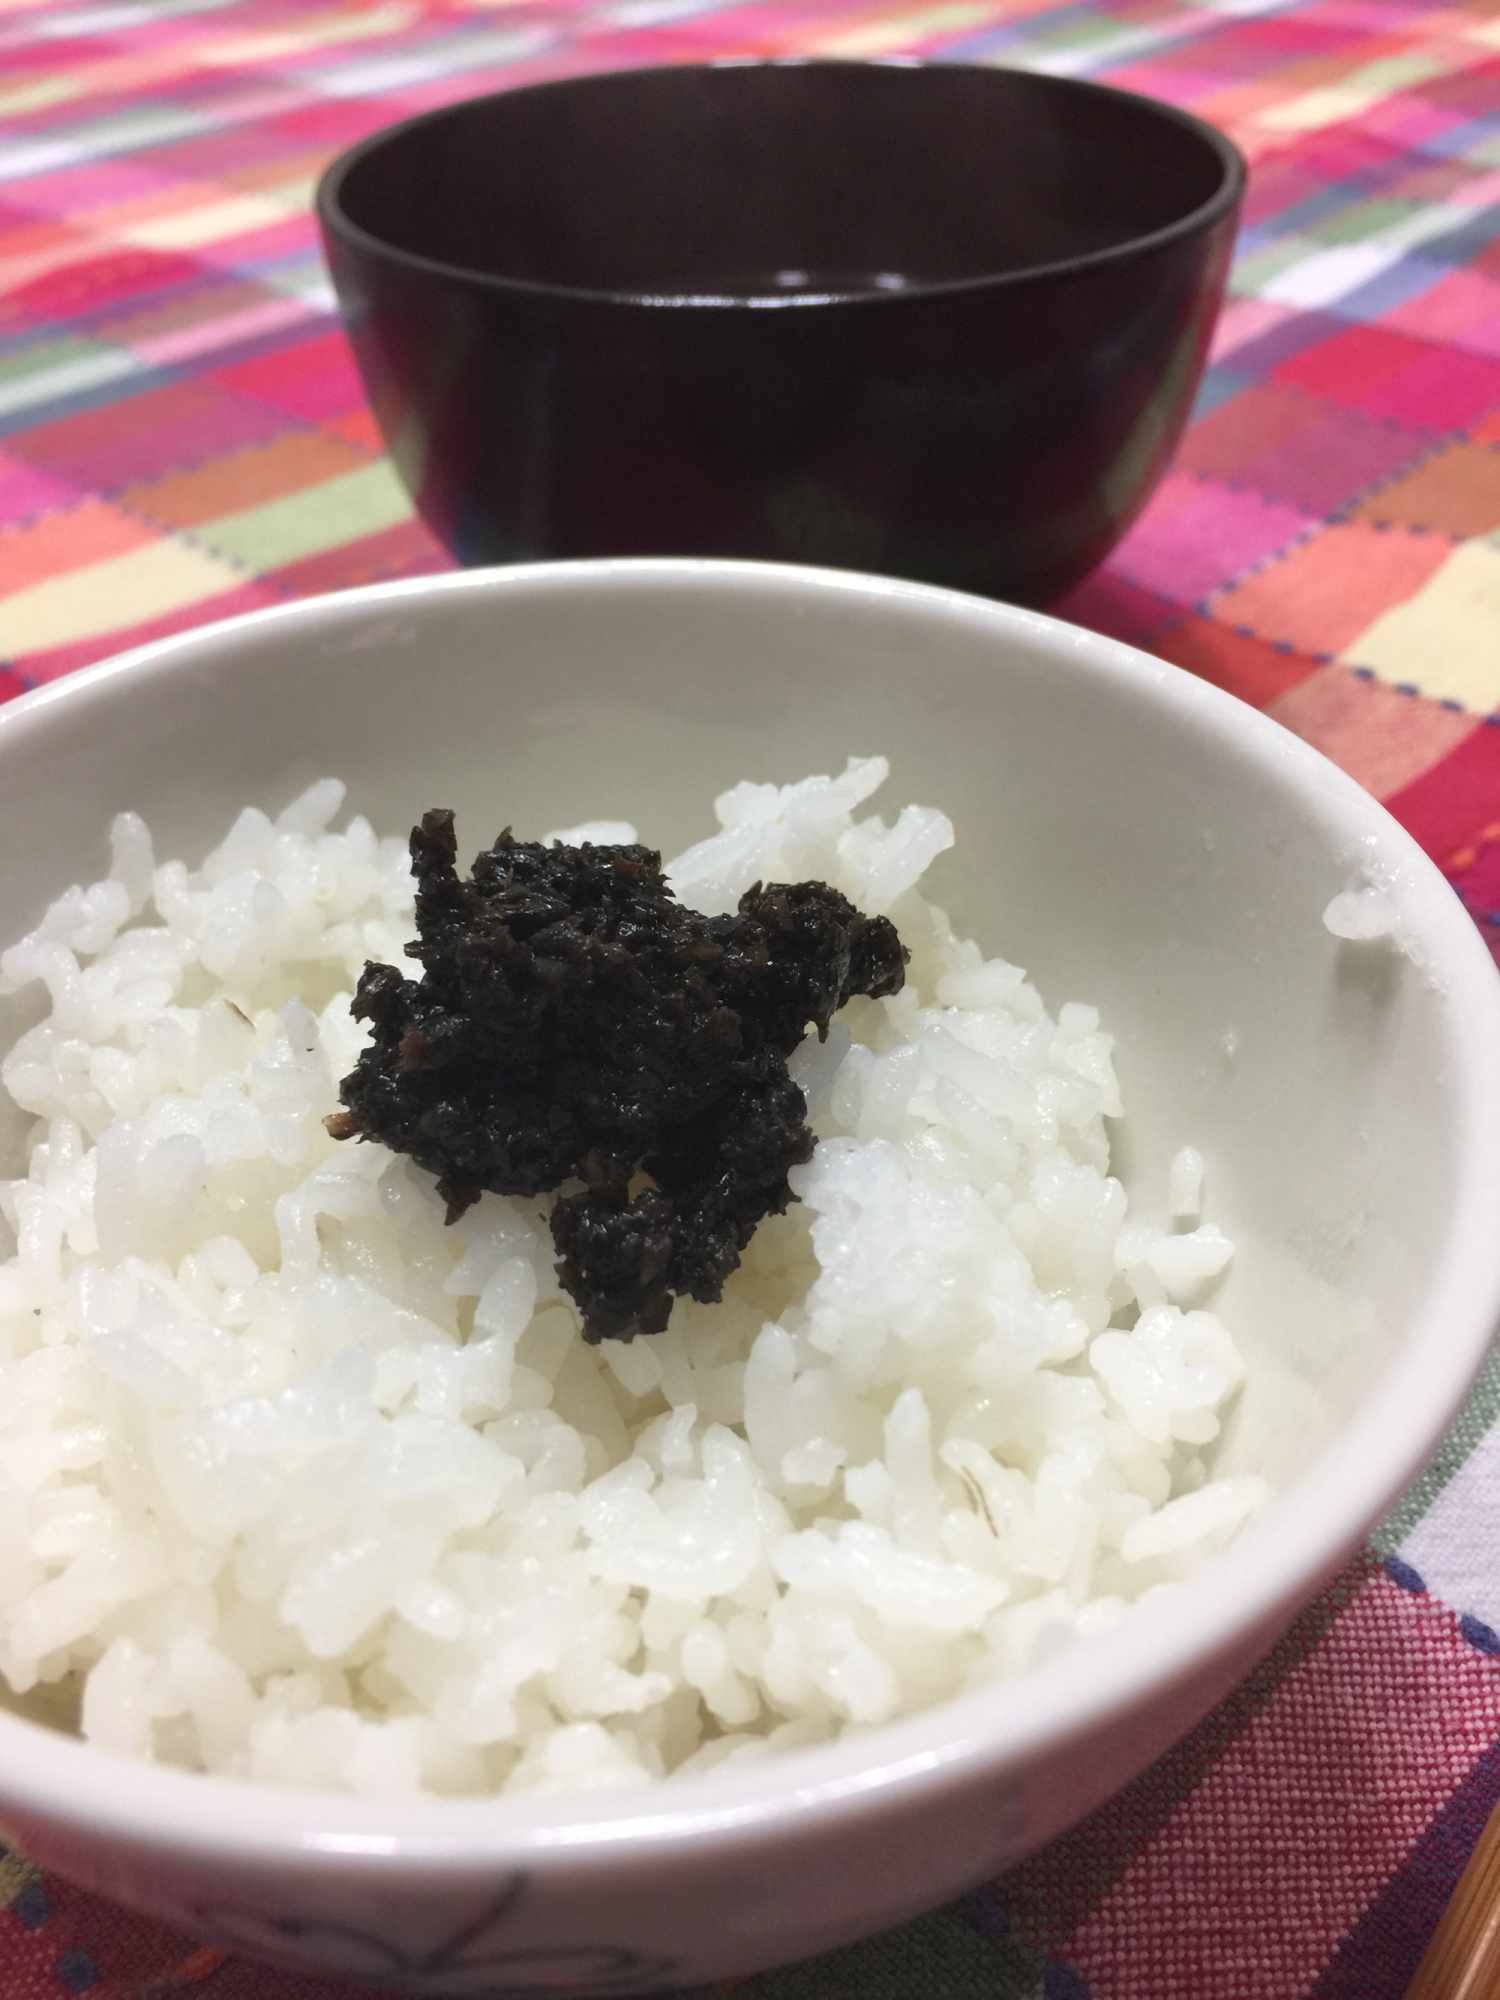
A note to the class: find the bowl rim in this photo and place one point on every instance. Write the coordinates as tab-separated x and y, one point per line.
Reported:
1255	1585
338	225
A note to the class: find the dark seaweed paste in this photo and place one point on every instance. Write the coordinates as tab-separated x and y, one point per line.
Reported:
573	1022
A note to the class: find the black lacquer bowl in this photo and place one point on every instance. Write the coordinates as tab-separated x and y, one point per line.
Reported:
940	321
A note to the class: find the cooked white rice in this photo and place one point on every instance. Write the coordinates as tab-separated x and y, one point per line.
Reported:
299	1484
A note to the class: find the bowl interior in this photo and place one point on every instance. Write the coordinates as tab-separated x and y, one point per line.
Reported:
781	180
1135	839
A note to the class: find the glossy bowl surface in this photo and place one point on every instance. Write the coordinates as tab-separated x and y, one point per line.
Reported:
1134	837
936	320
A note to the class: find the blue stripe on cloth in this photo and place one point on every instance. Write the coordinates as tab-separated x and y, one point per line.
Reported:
32	1906
78	1970
1301	330
32	416
1391	288
1217	386
1062	1981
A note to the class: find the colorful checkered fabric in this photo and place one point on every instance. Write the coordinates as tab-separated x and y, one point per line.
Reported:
182	436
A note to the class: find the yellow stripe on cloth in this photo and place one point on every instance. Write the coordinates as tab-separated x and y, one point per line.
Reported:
207	222
305	523
1444	640
323	31
111	595
948	17
15	1874
38	94
1352	94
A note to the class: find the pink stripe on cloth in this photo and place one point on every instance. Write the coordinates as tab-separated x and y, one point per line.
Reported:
1244	320
1197	535
74	191
213	335
1449	309
25	492
1248	1888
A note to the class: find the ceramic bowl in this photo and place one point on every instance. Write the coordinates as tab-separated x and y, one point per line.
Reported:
933	320
1138	840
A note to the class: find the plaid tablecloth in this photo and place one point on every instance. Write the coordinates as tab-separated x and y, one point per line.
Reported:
182	436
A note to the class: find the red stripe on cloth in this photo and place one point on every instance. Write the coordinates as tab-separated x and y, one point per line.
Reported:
86	287
1258	1875
1048	1896
1449	806
1446	388
1255	421
134	1955
1383	738
1251	668
336	122
67	540
408	548
1476	873
309	378
147	435
138	1959
25	239
28	1952
356	427
1120	609
1356	364
1322	594
1379	1957
1330	460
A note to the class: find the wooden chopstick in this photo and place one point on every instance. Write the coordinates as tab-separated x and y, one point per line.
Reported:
1462	1961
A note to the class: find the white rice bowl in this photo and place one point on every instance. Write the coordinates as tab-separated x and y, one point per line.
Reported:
298	1484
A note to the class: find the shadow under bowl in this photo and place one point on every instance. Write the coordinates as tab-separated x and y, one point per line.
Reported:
935	320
